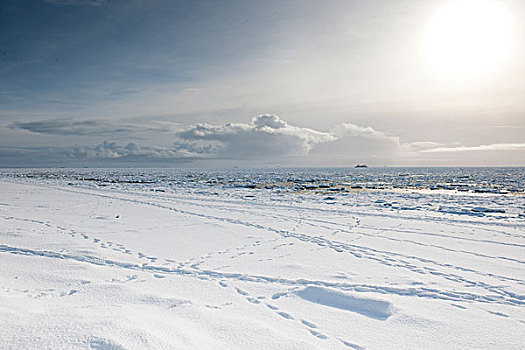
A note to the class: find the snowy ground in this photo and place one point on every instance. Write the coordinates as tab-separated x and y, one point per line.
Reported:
130	269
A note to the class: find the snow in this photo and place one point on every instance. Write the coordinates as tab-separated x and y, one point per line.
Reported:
373	308
197	266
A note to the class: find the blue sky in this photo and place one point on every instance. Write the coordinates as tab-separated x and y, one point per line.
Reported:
205	83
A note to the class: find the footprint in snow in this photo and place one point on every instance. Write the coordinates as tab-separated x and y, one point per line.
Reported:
318	334
498	314
103	344
351	345
308	324
285	315
241	292
278	295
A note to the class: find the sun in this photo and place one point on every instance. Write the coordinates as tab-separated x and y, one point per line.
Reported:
467	38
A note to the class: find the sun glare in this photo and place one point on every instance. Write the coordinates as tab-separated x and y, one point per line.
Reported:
467	38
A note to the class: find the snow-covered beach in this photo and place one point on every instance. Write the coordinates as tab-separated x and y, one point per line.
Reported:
104	263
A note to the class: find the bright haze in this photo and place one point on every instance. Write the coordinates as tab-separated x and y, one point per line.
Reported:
262	83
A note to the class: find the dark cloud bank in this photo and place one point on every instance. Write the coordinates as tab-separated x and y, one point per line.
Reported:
83	128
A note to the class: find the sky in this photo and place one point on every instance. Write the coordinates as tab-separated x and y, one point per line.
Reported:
262	83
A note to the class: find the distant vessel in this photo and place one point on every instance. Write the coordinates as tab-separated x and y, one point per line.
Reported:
361	166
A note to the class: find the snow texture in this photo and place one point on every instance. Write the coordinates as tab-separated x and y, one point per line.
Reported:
261	259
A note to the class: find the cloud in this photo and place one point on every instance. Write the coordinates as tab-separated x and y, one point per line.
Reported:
265	139
113	150
349	129
491	147
86	127
269	120
423	146
357	144
196	147
266	136
105	150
